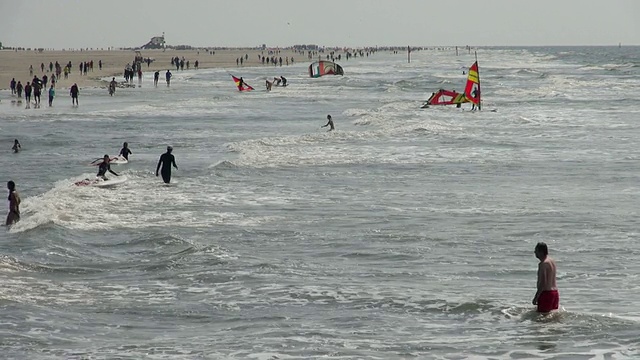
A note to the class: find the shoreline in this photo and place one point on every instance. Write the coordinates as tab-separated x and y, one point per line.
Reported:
15	64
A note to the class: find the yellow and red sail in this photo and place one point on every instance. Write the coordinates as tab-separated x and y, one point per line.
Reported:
242	86
472	89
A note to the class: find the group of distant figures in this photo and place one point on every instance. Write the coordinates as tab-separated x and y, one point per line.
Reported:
277	81
180	63
35	87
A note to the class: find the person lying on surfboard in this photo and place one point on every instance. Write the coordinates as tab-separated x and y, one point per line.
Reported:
104	167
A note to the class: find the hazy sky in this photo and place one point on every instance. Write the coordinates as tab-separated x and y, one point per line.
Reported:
127	23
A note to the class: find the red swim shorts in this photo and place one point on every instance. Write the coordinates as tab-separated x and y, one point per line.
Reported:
548	301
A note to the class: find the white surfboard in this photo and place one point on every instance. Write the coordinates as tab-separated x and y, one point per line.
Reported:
99	182
118	160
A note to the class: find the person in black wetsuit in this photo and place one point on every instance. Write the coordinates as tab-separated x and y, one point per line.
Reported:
104	167
125	152
14	204
16	146
166	160
329	123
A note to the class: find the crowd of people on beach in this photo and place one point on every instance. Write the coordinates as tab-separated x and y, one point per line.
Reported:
33	88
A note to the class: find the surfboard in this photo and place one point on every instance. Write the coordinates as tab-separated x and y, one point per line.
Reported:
119	160
99	182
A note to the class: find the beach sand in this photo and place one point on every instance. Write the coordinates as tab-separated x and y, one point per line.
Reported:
15	64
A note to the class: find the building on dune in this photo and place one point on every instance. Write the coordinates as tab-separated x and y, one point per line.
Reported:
156	42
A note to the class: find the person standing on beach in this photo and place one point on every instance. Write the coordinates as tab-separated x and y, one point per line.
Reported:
547	297
14	204
156	76
52	94
166	160
112	86
329	123
19	89
167	75
74	94
12	85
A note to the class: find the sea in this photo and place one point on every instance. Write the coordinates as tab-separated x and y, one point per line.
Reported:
406	233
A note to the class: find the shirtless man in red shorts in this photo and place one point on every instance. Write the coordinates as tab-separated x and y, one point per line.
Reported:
547	297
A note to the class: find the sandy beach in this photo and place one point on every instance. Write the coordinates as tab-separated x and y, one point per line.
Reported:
15	64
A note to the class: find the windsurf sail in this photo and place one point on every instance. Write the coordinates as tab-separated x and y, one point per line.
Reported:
446	97
452	97
242	86
472	89
323	67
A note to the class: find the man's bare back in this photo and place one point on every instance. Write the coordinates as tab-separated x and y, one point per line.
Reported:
547	275
547	298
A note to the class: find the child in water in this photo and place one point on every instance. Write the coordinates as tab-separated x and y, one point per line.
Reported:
16	146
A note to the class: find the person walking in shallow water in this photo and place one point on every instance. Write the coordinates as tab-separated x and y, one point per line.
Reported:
16	146
167	76
52	94
74	94
329	123
14	204
166	160
547	298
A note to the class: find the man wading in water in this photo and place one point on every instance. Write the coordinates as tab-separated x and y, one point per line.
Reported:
547	297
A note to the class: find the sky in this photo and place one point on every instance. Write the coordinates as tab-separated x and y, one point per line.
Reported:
63	24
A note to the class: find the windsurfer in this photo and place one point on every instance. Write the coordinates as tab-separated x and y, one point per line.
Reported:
475	96
329	123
